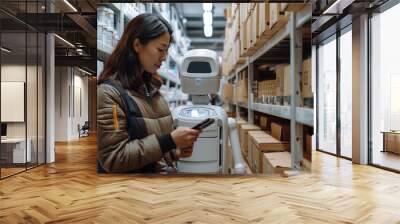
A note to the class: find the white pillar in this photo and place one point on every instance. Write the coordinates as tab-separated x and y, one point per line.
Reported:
360	90
50	100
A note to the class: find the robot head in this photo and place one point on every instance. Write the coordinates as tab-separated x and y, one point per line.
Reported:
199	72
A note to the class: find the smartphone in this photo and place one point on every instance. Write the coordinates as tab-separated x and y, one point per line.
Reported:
204	124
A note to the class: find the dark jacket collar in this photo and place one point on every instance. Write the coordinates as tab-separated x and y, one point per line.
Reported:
146	91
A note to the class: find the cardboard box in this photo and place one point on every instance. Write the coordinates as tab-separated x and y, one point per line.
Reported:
276	162
263	122
251	147
244	129
263	18
262	143
242	89
277	19
249	39
239	123
274	9
306	79
243	39
286	81
308	149
227	93
280	79
292	7
256	22
280	132
236	24
243	12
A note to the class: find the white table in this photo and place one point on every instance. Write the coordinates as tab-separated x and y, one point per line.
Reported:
17	146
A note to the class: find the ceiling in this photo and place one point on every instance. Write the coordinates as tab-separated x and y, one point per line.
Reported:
32	16
193	12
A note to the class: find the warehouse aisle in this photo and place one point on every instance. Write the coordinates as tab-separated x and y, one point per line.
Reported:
71	191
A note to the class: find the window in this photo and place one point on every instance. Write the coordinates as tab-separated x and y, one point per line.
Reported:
385	88
346	93
327	96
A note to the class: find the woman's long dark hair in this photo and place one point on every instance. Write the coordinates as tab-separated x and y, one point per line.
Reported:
124	61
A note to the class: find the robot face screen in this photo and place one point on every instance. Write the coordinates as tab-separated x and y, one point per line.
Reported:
199	67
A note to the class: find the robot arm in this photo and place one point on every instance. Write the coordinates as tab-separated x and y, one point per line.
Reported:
240	168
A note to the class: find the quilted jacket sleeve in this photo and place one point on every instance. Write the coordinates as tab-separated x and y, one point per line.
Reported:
116	153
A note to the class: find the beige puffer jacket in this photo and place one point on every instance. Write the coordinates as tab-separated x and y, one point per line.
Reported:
116	151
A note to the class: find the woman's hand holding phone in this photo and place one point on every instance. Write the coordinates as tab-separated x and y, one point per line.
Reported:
184	137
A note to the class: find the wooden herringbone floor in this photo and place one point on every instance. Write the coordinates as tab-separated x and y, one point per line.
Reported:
70	191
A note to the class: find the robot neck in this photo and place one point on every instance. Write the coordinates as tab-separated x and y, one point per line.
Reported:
200	99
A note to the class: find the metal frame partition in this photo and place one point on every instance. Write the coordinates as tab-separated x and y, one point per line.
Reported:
338	29
36	34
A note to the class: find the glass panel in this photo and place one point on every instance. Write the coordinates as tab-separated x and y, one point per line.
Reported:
13	86
385	84
346	94
31	98
41	99
327	96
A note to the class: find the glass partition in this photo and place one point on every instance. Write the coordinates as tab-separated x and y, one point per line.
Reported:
346	93
327	96
385	89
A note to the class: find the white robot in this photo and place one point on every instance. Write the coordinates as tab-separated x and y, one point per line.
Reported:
199	75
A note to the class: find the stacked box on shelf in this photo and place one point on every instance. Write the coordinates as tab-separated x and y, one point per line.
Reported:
277	19
249	44
263	122
292	7
242	88
239	123
262	143
243	136
276	162
235	93
280	80
252	29
255	32
227	92
260	90
280	131
251	147
306	84
263	21
243	39
308	148
286	86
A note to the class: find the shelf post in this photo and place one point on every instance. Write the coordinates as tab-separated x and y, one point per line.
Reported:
236	89
296	129
250	77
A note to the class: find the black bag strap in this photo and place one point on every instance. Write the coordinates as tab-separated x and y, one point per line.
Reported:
133	109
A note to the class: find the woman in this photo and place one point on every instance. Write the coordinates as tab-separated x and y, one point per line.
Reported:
135	127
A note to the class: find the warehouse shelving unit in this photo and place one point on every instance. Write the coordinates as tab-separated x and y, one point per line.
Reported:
123	14
290	34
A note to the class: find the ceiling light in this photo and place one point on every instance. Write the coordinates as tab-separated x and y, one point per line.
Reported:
5	50
84	71
207	18
64	40
337	7
208	30
207	6
70	5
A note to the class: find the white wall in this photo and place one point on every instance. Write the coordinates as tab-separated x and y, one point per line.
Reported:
70	83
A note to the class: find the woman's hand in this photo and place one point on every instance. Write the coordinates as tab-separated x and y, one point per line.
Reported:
186	152
184	137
